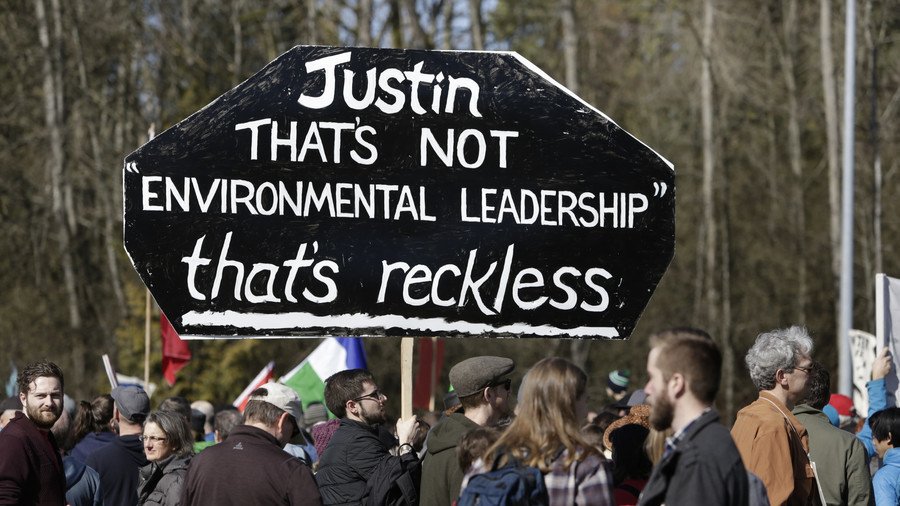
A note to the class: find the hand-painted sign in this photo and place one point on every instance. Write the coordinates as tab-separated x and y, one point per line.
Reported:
395	192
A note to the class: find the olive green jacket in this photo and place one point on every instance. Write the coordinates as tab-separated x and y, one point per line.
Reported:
840	459
441	475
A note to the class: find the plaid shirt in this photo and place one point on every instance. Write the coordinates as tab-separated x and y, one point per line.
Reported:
585	482
672	442
588	481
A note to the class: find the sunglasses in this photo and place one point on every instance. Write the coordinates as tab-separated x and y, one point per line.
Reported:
375	395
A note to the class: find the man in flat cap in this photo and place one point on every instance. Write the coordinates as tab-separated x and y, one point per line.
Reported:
118	462
483	385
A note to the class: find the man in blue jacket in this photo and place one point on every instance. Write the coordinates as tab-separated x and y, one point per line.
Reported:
886	482
877	397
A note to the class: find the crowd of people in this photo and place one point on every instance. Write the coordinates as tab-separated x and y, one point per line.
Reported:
663	444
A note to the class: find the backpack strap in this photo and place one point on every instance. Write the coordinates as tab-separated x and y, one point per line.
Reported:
631	489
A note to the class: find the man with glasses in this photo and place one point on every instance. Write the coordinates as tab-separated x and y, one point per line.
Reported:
772	442
357	463
483	386
250	467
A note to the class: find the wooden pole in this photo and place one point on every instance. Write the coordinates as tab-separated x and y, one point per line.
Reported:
406	381
148	308
434	344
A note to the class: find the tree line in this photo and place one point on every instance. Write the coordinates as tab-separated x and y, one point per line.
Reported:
744	98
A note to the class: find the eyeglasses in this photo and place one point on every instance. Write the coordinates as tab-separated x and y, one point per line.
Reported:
151	439
375	395
807	370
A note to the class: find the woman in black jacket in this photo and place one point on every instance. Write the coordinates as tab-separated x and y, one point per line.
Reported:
169	447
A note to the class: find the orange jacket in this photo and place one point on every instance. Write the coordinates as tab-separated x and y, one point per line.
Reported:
774	446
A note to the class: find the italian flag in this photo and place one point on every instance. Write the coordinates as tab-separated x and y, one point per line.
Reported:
335	354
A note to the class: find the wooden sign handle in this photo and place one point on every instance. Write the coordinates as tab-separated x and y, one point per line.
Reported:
406	380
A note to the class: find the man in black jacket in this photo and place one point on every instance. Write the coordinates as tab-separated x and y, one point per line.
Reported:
701	464
250	466
357	462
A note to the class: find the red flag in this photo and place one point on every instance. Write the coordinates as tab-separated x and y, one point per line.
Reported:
175	352
264	376
423	386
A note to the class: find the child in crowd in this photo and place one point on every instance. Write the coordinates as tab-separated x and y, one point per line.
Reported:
886	439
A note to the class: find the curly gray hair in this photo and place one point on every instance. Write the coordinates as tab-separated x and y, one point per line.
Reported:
776	349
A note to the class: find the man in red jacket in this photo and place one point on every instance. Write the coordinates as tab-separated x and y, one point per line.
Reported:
31	469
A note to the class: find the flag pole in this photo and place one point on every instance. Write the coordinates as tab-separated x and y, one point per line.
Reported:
147	341
151	133
845	314
406	359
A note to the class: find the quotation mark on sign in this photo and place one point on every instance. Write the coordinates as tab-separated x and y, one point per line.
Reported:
132	167
659	189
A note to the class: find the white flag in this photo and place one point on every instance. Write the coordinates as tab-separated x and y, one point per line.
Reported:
887	323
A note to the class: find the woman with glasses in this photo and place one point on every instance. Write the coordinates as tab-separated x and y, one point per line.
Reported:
169	447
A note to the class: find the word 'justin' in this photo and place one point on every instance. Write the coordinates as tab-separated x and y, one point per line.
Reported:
328	65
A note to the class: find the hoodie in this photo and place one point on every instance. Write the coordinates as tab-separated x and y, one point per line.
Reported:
441	475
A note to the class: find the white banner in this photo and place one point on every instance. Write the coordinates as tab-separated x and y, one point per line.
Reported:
863	350
887	323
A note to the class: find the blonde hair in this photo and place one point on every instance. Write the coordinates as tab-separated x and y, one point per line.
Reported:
546	421
655	445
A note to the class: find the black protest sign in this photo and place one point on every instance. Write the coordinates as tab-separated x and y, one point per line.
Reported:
352	191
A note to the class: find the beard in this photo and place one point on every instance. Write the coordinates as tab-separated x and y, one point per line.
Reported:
375	416
43	417
661	413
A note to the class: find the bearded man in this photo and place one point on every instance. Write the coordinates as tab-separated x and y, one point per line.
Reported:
357	462
31	468
701	464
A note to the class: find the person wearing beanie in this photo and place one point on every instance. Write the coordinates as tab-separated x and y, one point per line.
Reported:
617	383
315	414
